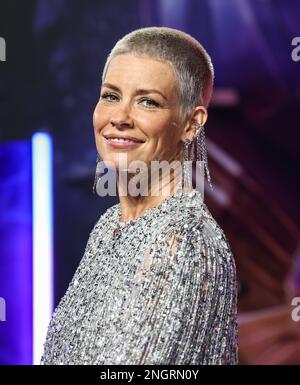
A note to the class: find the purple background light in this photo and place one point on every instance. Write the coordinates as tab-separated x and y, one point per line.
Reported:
16	252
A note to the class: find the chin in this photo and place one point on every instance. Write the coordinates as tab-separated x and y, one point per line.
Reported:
122	160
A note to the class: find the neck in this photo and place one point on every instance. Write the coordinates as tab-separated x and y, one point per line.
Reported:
135	200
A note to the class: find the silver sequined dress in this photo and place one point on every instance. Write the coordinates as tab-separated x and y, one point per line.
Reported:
161	291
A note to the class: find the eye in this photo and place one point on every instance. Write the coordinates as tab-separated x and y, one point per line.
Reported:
150	102
112	97
108	96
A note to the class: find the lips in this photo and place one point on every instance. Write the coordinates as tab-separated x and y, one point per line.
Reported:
123	142
125	137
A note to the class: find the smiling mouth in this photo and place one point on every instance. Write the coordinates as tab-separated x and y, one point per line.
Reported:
122	137
121	140
122	143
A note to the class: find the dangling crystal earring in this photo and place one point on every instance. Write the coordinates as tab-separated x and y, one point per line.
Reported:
201	154
201	150
97	173
187	177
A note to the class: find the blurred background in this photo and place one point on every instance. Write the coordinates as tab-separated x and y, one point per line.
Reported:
50	79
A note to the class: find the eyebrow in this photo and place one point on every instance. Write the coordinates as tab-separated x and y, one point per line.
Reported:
140	91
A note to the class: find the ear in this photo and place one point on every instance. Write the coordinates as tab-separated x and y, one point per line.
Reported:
199	115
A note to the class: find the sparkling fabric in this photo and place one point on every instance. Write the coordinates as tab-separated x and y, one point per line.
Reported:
160	289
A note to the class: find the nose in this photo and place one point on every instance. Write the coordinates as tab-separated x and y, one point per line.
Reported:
121	117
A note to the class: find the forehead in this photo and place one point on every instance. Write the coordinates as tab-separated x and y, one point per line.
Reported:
141	71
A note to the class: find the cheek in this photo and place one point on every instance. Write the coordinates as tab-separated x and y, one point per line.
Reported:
166	134
157	127
99	119
95	118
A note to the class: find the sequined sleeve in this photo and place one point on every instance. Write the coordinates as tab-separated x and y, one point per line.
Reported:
217	304
190	287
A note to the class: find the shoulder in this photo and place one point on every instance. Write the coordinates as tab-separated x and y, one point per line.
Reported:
213	237
102	225
202	233
194	216
106	217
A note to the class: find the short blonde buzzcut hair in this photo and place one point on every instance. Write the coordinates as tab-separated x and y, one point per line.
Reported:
192	65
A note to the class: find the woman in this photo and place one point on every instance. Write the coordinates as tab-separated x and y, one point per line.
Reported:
157	282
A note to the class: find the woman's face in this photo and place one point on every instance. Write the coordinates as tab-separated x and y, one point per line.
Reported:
138	99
